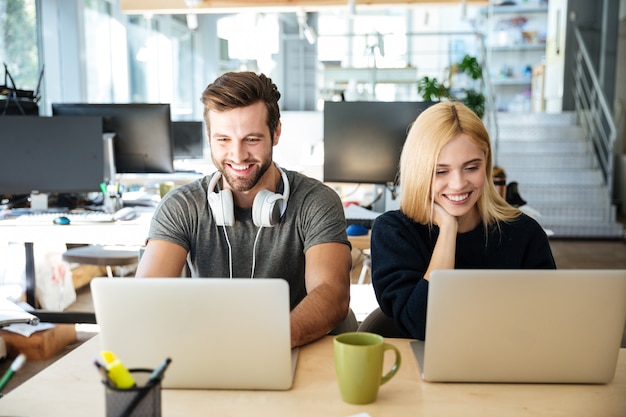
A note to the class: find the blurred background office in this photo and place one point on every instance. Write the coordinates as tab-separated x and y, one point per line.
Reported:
125	51
115	51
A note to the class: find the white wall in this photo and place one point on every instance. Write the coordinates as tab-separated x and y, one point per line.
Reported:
301	145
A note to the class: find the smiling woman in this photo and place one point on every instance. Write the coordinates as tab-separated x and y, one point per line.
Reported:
451	216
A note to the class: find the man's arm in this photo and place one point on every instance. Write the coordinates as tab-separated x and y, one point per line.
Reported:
161	259
327	280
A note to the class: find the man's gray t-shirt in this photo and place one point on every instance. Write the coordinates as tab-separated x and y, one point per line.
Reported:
314	215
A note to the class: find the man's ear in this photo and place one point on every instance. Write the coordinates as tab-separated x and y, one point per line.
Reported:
277	132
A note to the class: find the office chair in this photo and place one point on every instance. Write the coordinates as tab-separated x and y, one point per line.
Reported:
379	323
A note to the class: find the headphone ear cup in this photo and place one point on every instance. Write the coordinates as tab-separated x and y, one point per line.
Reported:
222	207
266	208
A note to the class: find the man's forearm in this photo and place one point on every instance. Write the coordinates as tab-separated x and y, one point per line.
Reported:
317	314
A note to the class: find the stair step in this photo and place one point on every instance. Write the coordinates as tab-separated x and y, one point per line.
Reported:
540	133
567	118
574	214
564	194
542	147
554	177
587	231
539	162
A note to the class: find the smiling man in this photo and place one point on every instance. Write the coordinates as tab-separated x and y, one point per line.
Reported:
253	219
451	216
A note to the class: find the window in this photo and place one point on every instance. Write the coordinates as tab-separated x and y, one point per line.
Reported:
18	43
99	58
253	40
185	97
380	54
149	60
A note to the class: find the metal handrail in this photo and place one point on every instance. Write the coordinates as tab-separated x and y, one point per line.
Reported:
490	118
593	112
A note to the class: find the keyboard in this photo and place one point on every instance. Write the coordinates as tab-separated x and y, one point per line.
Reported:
80	217
360	216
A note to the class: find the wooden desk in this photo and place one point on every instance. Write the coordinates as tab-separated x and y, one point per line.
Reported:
360	242
71	387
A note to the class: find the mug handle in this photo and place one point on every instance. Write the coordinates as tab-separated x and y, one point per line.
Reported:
396	365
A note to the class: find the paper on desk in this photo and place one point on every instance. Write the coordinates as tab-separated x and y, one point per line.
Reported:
12	313
27	329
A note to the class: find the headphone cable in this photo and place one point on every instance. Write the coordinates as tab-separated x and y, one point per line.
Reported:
254	252
230	249
230	253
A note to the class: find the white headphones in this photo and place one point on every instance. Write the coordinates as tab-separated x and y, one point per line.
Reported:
267	208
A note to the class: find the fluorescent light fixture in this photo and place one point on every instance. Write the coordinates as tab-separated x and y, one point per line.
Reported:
192	21
306	31
310	35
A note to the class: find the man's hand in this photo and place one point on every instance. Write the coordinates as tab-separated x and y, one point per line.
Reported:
327	301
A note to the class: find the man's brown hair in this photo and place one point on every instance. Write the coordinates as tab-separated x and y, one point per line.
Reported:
241	89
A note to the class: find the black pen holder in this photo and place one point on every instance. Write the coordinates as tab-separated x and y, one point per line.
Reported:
143	400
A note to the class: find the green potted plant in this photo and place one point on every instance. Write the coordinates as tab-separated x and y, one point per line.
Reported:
470	66
431	89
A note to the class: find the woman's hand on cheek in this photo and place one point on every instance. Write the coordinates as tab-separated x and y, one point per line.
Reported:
442	218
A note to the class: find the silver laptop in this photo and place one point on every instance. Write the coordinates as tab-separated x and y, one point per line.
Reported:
523	326
219	333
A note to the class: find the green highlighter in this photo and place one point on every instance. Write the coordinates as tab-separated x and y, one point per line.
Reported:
15	366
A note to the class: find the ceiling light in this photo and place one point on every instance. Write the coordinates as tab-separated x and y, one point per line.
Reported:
192	21
306	31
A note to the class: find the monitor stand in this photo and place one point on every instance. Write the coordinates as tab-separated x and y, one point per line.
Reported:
38	201
109	158
388	198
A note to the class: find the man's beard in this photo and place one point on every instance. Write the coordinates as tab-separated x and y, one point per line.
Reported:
245	183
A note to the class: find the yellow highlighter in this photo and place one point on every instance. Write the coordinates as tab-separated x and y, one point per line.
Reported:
118	374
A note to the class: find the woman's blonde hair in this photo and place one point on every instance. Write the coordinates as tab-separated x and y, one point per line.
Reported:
431	131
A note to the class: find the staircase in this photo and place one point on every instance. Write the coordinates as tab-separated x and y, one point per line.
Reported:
550	158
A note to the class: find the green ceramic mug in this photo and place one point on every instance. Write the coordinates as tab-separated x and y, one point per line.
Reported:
359	365
166	187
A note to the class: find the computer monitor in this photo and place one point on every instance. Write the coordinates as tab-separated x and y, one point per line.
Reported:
17	107
188	138
50	154
363	139
143	137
